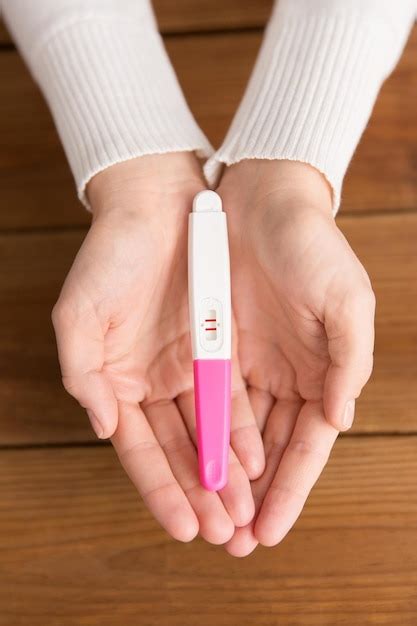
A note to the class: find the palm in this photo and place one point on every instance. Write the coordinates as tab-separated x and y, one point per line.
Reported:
146	347
283	347
287	294
125	352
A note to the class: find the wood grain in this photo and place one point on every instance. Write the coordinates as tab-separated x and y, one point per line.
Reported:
5	39
78	548
386	246
383	173
34	408
202	15
36	185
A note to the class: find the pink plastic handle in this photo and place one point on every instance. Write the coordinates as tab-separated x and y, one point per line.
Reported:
212	386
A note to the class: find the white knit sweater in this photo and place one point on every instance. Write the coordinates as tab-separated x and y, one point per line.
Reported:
103	69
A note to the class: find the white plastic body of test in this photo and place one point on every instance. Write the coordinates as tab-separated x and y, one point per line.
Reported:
209	277
211	335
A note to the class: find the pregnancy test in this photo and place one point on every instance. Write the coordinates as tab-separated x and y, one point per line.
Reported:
211	331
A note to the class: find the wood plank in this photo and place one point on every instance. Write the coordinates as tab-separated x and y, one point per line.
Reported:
184	16
36	185
34	408
387	248
37	188
5	38
203	15
76	545
383	173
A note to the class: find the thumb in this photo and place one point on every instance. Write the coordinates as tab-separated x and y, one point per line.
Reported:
80	341
350	332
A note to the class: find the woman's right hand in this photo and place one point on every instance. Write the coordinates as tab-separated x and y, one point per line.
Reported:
304	310
122	330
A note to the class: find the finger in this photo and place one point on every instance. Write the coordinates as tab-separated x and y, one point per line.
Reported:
245	436
243	542
279	428
165	419
278	431
300	466
148	468
236	495
261	402
80	341
350	332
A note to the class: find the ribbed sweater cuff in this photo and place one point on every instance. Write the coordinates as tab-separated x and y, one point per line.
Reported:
314	85
114	95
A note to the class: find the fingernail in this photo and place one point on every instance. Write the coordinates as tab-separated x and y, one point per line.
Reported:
349	414
97	427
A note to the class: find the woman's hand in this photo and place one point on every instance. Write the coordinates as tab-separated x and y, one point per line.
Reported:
304	310
122	329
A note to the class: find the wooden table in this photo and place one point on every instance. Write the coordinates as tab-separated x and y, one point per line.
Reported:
77	547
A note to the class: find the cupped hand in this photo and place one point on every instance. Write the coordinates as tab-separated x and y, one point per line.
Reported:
304	312
122	330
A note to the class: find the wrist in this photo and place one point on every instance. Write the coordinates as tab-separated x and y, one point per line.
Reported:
139	185
290	185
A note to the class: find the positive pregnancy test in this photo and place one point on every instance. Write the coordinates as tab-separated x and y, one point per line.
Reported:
211	321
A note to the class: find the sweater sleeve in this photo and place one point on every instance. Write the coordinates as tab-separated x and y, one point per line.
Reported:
108	81
318	73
